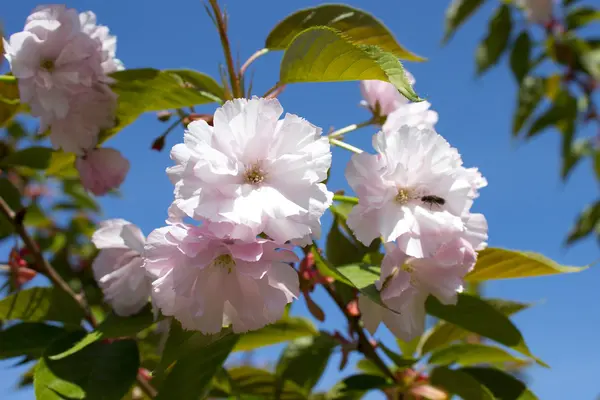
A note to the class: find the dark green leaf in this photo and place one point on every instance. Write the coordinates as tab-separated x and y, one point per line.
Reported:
360	27
362	383
281	331
530	94
33	157
27	339
400	361
520	56
304	360
247	381
587	222
460	383
562	111
339	248
471	354
496	41
477	316
41	304
113	327
457	14
369	367
322	54
502	385
494	263
10	194
573	152
581	16
191	376
103	371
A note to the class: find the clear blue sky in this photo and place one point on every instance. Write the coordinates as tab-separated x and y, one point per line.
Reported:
526	204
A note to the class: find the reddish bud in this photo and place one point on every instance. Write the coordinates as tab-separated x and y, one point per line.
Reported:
158	143
144	373
164	116
24	275
352	308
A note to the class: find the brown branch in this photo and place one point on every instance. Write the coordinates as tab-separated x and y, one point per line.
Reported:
233	76
44	266
364	345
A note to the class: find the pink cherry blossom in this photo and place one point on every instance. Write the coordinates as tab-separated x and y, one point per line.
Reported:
118	266
411	114
538	11
109	42
415	175
90	111
253	172
102	170
382	96
207	282
52	59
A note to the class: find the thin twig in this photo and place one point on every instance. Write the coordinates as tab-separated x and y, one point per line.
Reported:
221	26
346	146
276	92
273	89
251	59
349	128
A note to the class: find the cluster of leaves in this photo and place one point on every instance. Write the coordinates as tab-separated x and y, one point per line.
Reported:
557	71
80	349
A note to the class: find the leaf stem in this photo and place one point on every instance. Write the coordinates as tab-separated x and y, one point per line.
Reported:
276	87
251	59
345	145
44	266
350	128
233	76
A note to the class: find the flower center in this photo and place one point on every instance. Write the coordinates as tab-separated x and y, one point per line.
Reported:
224	261
48	65
255	175
410	269
403	196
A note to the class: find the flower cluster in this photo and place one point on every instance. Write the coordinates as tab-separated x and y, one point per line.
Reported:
415	194
61	60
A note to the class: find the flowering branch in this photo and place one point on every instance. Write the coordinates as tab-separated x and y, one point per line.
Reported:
44	266
233	76
350	128
344	145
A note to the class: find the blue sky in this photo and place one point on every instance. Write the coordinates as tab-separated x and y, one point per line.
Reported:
526	204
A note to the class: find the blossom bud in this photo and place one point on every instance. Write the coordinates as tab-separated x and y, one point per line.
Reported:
101	170
164	116
158	143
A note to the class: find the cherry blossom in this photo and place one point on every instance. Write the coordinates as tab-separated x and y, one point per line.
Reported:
102	170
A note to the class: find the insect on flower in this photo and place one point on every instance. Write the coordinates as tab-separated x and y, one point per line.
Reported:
433	200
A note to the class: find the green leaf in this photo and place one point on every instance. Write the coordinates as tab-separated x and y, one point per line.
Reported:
322	54
471	354
28	339
9	101
530	94
40	304
360	26
581	16
369	367
281	331
339	248
444	333
496	41
10	194
363	276
477	316
587	222
60	163
562	111
191	376
400	361
409	348
494	263
113	327
520	56
249	381
460	383
304	360
103	371
145	90
33	157
502	385
458	12
361	383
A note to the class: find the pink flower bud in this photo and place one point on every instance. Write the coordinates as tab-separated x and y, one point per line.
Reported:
101	170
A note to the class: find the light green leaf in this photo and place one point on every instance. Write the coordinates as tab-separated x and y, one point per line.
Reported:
191	376
360	26
40	304
370	368
502	385
409	348
28	339
102	371
477	316
458	12
587	222
113	327
322	54
460	383
472	354
494	263
496	41
145	90
363	276
520	56
530	94
304	361
33	157
281	331
581	16
9	101
444	333
254	383
62	164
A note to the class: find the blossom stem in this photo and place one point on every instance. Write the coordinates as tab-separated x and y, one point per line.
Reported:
349	128
233	76
345	145
345	199
364	346
7	78
273	89
44	266
251	59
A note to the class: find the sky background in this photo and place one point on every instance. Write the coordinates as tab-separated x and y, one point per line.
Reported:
526	204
